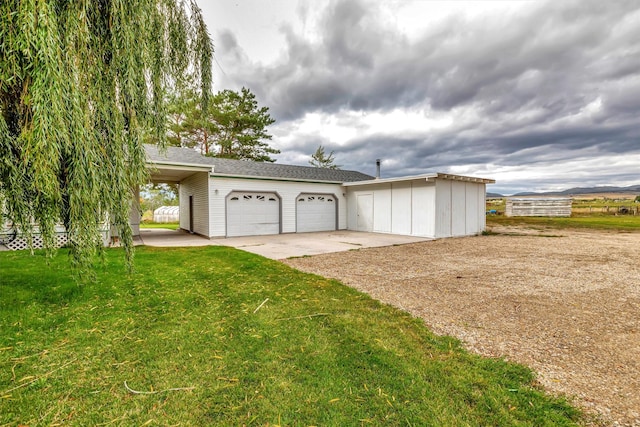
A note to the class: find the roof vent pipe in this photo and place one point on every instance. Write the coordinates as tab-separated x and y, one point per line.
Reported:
378	168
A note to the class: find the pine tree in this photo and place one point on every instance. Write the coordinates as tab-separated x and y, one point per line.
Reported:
234	127
240	126
320	160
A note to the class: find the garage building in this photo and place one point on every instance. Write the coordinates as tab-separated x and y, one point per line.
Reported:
429	205
227	198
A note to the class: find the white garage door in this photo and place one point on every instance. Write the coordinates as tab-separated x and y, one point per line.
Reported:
252	214
315	212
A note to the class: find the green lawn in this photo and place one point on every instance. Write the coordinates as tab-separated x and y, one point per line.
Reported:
593	221
191	328
168	225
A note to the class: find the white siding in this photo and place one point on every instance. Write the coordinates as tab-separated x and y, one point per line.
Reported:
352	208
288	191
423	209
405	208
482	206
458	208
197	185
443	208
474	206
401	208
382	204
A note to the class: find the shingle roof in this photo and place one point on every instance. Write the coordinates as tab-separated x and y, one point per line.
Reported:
187	156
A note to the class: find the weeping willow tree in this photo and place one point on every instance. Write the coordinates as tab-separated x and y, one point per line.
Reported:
82	84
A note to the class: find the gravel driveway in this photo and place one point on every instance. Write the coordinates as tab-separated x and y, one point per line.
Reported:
565	303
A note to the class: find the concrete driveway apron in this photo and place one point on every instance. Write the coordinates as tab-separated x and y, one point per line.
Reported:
281	246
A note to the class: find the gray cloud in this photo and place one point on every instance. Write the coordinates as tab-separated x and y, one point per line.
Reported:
557	79
358	63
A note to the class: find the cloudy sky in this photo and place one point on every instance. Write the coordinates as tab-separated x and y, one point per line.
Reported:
538	95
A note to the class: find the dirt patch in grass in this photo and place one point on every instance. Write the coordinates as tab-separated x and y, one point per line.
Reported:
568	306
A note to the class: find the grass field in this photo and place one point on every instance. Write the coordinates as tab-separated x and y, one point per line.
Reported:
590	211
593	221
216	336
167	225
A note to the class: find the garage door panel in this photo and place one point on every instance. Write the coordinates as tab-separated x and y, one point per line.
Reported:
252	214
315	212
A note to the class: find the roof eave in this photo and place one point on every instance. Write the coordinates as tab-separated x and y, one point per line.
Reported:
273	178
466	178
430	177
387	180
178	165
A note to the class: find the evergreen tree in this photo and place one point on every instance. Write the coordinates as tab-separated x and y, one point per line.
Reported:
187	126
319	159
82	83
240	126
235	127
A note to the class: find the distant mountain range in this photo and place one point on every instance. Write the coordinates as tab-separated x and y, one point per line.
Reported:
576	190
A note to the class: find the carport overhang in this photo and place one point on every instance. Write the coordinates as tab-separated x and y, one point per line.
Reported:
173	173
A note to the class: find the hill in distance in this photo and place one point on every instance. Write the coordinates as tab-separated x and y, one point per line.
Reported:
585	190
576	191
